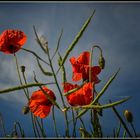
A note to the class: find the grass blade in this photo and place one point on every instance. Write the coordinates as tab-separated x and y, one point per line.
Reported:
76	39
32	52
104	106
100	93
38	40
22	87
121	120
58	44
42	69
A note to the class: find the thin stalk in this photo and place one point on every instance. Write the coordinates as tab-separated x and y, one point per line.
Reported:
22	87
81	121
34	120
74	124
133	129
19	74
2	123
33	125
20	129
56	81
24	77
121	120
124	134
91	119
54	122
58	44
40	127
35	55
55	78
118	130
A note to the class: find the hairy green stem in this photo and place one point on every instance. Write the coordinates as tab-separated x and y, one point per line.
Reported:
56	81
19	74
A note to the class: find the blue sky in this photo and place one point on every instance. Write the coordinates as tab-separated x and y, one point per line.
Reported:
114	27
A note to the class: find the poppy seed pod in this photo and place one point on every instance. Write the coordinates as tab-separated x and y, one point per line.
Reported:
22	68
128	115
25	110
101	62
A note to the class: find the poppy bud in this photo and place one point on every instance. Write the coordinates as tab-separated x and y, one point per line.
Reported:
101	62
22	68
25	110
128	115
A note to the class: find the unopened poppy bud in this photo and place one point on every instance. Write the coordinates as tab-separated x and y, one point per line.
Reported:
25	110
22	68
101	62
128	115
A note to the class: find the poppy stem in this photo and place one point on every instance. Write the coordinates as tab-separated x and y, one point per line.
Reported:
24	77
56	81
26	93
96	46
133	129
74	123
33	124
54	121
17	66
2	124
121	120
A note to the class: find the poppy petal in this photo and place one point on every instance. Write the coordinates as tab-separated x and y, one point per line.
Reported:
96	70
72	60
76	77
69	86
84	58
39	104
42	111
11	41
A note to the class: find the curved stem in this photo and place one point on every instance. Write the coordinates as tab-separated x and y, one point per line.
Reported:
96	46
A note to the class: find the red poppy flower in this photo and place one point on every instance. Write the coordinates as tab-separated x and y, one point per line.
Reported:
80	67
39	104
83	96
11	41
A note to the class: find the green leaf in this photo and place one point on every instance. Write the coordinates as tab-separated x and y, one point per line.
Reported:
105	106
58	44
22	87
76	39
42	69
32	52
38	41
